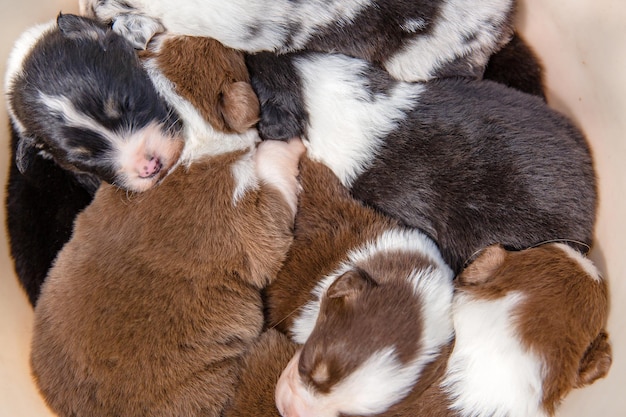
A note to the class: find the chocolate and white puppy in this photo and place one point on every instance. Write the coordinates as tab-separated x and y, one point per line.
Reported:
382	293
529	328
529	325
111	104
469	162
412	40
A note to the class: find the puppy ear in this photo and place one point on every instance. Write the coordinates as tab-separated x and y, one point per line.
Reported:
484	267
76	27
350	284
596	361
24	153
239	106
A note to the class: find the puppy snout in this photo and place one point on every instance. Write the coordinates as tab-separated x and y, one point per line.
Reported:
150	167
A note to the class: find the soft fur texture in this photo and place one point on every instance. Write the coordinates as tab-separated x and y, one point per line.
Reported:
470	162
152	303
77	92
346	263
414	41
41	205
529	328
44	193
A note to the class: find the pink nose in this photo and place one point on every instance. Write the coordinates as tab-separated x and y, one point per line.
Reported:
150	167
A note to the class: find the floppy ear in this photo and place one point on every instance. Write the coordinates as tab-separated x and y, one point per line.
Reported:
596	361
485	265
25	152
239	106
76	27
350	284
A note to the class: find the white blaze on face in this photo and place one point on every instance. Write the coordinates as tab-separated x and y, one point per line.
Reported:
139	157
379	382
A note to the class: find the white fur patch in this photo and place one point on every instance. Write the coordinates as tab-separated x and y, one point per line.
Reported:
458	20
383	380
584	262
73	117
434	284
202	139
251	25
378	383
21	49
347	122
489	372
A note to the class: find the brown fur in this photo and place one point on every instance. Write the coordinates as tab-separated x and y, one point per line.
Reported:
212	77
328	224
151	305
262	366
562	318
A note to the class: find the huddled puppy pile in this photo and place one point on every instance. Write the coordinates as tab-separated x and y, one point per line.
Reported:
300	209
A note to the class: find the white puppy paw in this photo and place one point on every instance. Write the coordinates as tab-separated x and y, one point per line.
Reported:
277	164
137	29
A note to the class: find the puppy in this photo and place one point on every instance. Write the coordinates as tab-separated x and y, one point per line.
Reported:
150	306
347	260
413	41
469	162
77	94
45	192
529	328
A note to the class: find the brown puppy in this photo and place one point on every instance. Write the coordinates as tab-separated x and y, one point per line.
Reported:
150	306
529	329
381	294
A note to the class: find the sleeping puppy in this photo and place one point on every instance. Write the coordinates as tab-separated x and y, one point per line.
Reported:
346	261
413	41
469	162
528	325
150	306
78	94
108	119
529	328
82	110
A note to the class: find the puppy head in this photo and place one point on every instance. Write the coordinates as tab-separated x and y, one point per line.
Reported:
381	323
560	317
78	93
212	77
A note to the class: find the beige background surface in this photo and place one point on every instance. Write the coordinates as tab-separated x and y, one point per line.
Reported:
583	45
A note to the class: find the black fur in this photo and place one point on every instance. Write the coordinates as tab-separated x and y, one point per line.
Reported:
477	163
55	168
473	163
41	205
283	114
516	65
91	67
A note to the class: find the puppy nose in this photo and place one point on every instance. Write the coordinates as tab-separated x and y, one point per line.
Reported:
150	167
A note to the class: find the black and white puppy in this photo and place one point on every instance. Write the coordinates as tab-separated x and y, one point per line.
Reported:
470	162
81	109
78	94
413	41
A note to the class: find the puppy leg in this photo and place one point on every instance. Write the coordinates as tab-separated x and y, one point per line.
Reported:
277	164
137	29
277	84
